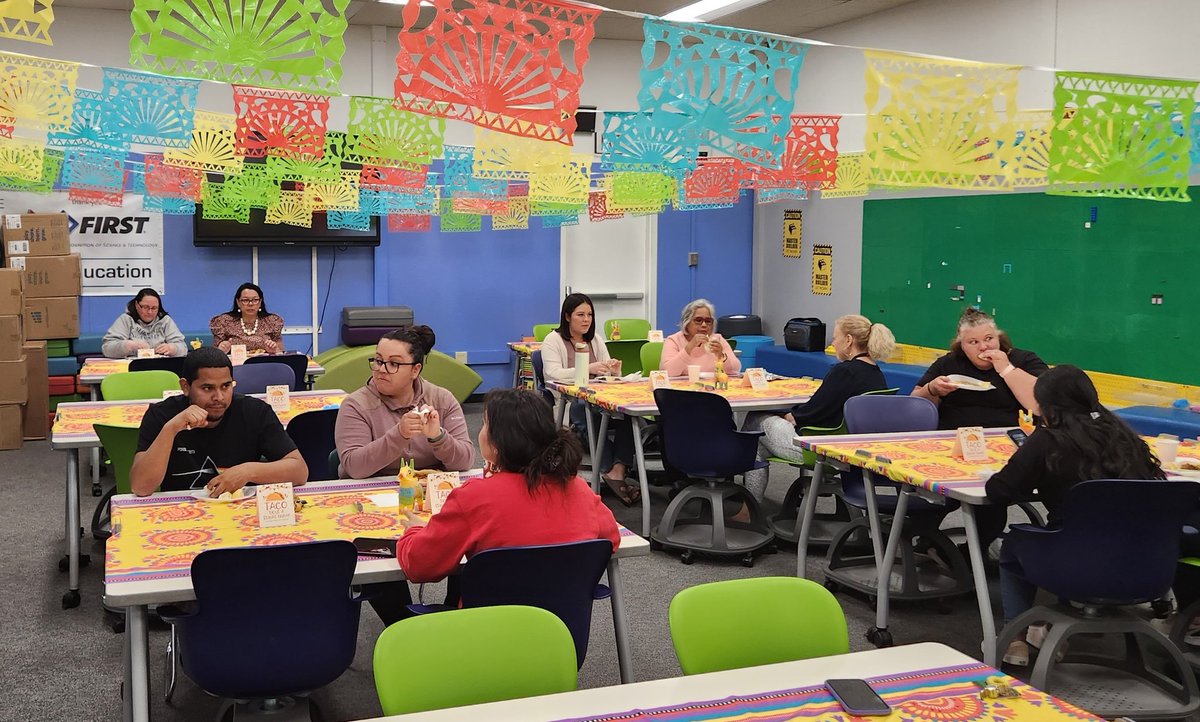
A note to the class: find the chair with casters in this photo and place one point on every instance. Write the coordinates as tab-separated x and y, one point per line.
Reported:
542	330
335	464
651	356
631	328
851	557
700	440
802	620
312	432
270	624
255	378
561	578
174	364
539	377
297	362
138	385
472	656
824	524
1117	546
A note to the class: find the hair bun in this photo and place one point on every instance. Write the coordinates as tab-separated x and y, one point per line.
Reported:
426	336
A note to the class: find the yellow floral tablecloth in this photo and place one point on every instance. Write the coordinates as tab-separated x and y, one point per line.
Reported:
935	695
74	421
98	368
638	397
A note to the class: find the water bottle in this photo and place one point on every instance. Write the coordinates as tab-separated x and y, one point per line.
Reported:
581	364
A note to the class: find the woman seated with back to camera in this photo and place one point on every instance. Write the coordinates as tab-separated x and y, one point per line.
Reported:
697	343
382	424
145	324
535	496
1077	440
859	345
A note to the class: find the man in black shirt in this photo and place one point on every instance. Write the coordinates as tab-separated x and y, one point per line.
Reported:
211	438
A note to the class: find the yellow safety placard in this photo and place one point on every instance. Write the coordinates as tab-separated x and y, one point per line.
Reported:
822	270
793	224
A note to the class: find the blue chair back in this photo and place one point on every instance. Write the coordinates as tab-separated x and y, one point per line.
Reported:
255	378
539	378
270	621
174	364
877	414
1118	544
560	578
313	433
699	437
297	362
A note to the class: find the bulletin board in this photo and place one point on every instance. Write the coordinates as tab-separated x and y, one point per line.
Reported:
1068	292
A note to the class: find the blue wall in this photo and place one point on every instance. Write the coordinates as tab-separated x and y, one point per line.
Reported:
478	291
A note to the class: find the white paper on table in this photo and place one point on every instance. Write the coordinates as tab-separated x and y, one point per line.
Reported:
387	499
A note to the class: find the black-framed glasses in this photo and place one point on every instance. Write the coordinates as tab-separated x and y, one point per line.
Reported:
390	367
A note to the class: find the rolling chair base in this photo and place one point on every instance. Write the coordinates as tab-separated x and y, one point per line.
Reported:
1108	685
283	709
915	576
710	532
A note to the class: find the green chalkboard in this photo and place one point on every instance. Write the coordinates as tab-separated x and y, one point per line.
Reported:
1071	294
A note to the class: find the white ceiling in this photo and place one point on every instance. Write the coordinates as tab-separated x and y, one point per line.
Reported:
786	17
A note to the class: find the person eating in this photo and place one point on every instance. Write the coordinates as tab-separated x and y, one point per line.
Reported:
697	343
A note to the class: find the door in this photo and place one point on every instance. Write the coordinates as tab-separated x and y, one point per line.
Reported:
613	262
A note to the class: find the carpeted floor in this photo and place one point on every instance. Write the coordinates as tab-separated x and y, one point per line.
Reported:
66	665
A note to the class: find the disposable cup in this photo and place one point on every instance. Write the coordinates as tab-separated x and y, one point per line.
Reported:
694	374
1166	448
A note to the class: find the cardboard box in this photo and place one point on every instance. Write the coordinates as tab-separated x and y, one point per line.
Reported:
36	234
50	276
10	427
36	410
11	338
13	387
12	295
47	318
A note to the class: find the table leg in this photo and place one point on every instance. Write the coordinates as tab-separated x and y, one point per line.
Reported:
879	635
598	450
560	407
806	517
591	437
624	656
137	671
93	394
516	357
636	425
873	517
70	599
975	551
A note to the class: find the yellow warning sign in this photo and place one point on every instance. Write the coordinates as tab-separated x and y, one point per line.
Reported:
793	224
822	272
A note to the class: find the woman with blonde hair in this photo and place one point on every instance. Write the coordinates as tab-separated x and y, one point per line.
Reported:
859	345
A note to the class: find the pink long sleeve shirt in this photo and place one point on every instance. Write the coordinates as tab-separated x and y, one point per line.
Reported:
369	441
676	359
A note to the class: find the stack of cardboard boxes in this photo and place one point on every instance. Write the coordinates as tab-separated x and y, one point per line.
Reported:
39	300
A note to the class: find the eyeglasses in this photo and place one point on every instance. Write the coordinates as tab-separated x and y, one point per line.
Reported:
249	301
701	319
389	366
148	309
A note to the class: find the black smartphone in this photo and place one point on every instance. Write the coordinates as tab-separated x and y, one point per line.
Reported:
857	697
1018	437
375	547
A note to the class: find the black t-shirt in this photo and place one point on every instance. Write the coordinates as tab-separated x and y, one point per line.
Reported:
249	431
963	407
846	379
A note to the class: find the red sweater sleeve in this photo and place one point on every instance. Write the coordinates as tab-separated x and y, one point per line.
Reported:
429	553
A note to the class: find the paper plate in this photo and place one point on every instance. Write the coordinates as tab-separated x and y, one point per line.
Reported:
202	495
967	383
1174	469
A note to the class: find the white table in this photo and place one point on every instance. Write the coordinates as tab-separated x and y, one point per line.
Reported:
136	596
715	685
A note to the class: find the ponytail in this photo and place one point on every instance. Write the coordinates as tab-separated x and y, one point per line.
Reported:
880	342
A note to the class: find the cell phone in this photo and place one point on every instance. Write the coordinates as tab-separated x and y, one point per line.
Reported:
1018	437
375	547
857	697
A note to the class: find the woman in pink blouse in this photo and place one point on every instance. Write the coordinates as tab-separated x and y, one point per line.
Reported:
697	344
248	322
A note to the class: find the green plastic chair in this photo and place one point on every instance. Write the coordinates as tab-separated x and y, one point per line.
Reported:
651	355
542	330
629	351
794	619
347	370
631	328
120	443
472	656
137	385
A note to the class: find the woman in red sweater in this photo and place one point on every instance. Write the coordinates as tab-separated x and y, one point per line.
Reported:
536	496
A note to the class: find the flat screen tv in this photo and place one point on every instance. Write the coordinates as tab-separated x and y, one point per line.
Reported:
260	233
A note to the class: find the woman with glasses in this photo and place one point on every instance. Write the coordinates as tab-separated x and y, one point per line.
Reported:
697	343
398	415
249	323
145	324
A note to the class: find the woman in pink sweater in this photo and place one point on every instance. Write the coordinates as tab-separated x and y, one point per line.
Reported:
697	343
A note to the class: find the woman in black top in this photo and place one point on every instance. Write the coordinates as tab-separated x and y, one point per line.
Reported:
983	352
859	344
1078	440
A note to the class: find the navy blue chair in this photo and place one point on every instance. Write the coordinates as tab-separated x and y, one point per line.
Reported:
269	623
560	578
851	557
254	379
701	442
174	364
297	362
539	379
312	431
1118	545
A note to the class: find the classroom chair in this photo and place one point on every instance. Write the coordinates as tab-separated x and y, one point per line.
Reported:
335	465
270	624
120	443
255	378
629	351
312	432
539	377
799	619
701	441
651	354
542	330
472	656
138	385
631	328
1117	546
297	362
174	364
